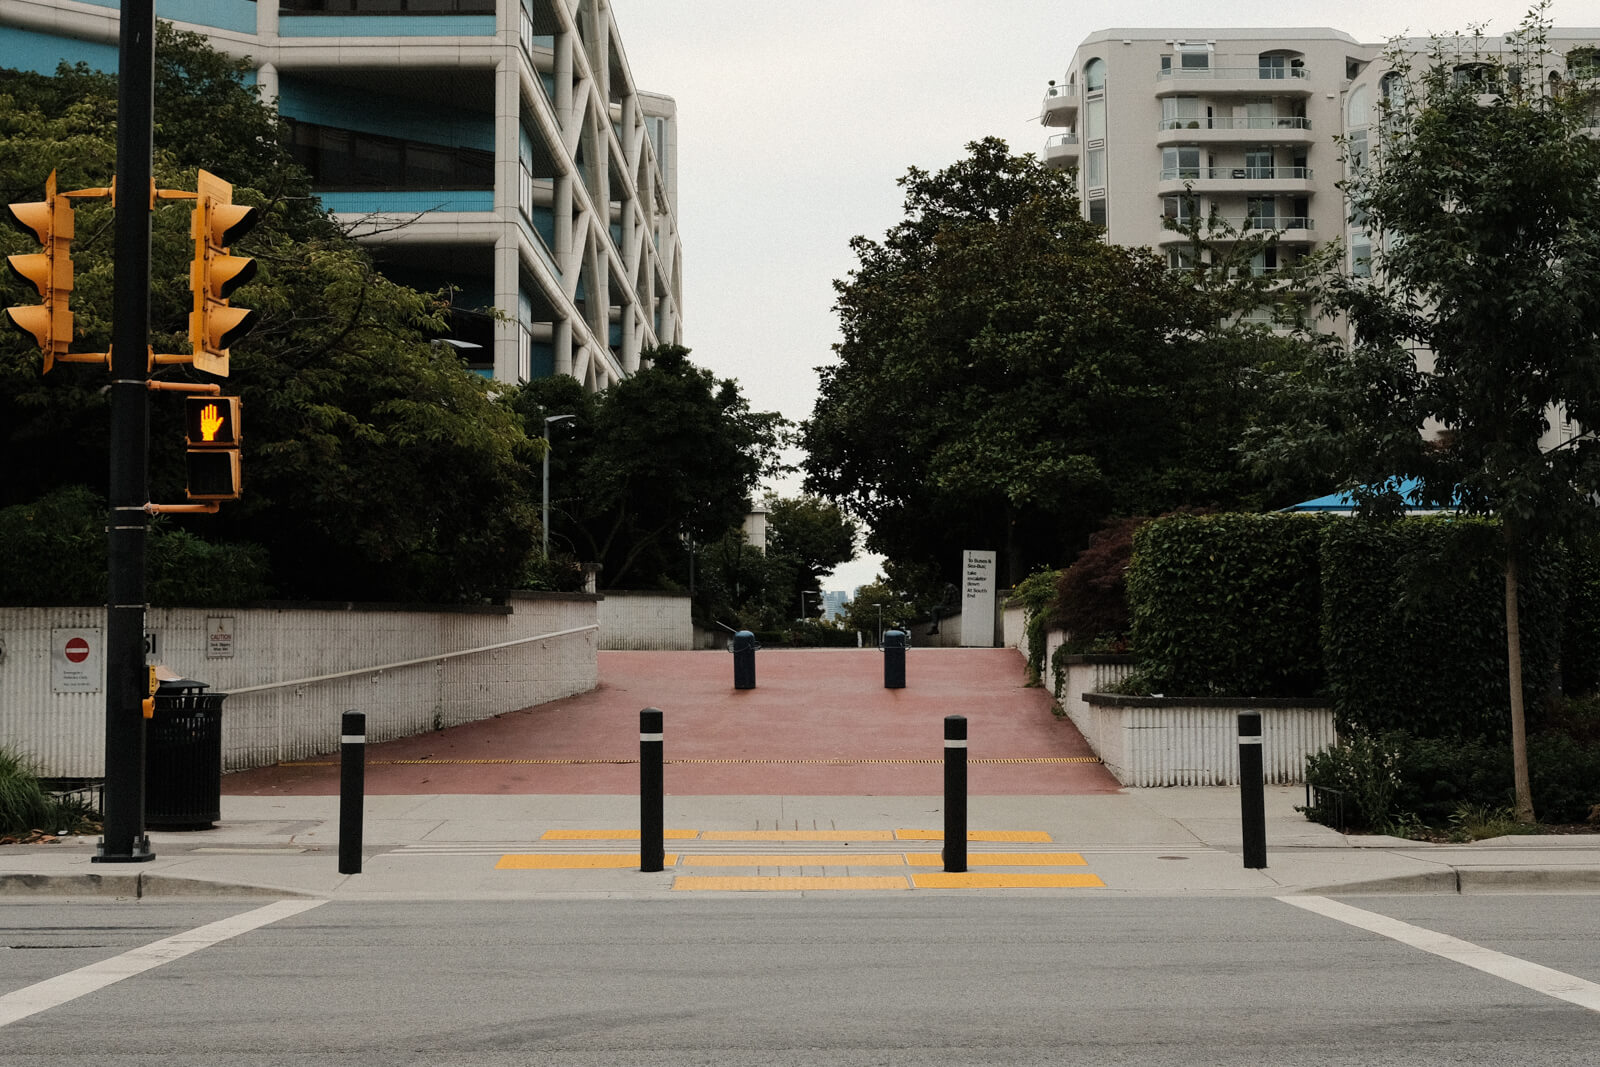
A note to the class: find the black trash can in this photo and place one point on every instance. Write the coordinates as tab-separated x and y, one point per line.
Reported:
183	757
894	659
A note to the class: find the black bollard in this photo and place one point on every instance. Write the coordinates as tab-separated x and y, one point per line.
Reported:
744	660
352	788
894	659
955	794
652	827
1252	791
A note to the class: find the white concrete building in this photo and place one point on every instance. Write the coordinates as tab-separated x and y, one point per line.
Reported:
1245	119
498	148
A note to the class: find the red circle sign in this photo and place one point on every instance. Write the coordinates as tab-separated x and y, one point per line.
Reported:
77	650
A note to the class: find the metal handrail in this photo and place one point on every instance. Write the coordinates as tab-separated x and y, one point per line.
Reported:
1060	139
1248	222
1263	73
436	657
1242	173
1260	122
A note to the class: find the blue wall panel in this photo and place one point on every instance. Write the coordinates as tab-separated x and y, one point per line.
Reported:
237	15
387	26
42	52
408	202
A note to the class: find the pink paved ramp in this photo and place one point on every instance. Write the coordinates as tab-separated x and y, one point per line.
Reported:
819	722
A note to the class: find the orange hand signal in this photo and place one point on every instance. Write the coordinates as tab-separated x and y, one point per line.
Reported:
210	422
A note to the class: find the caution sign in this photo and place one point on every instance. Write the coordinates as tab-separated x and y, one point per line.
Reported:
76	661
219	636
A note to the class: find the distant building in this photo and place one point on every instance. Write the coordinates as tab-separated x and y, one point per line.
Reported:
495	148
833	602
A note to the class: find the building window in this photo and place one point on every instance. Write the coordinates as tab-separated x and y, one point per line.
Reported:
1094	75
387	7
1360	253
1194	56
1180	112
1097	212
1181	163
1095	169
347	161
1355	152
1261	212
1094	125
1258	162
1177	212
1392	89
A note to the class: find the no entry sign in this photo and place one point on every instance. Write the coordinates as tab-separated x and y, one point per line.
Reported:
75	660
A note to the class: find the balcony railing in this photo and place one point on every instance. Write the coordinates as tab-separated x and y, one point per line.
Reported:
1249	222
1242	173
1269	122
1070	89
1237	73
1057	139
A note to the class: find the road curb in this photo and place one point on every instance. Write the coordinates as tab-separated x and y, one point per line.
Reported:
1474	880
132	886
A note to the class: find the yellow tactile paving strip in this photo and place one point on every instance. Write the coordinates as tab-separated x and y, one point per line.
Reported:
551	862
791	866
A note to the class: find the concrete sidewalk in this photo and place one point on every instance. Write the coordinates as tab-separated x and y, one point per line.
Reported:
1136	842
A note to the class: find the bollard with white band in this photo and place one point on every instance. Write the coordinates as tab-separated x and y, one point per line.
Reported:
1252	791
352	788
955	794
652	824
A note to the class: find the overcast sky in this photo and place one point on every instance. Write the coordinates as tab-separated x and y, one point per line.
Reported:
795	117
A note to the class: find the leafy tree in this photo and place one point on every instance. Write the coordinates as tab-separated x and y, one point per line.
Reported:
1483	197
666	453
1008	379
377	467
807	537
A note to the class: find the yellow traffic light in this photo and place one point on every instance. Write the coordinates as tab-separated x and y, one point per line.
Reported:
50	270
211	426
215	224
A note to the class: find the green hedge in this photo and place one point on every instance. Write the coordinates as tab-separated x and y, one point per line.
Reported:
1413	626
1228	604
59	545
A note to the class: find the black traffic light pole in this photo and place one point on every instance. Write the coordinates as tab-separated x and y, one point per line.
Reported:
125	840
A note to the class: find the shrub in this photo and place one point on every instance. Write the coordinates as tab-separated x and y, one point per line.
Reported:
1580	632
62	535
24	804
1228	604
1036	594
1413	626
1091	602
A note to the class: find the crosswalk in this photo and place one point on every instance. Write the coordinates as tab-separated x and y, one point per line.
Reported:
800	860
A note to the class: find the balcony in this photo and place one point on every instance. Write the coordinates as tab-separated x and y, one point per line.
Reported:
1060	105
1272	129
1289	228
1061	150
1236	180
1279	81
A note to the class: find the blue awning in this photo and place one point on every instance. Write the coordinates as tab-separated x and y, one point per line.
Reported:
1410	490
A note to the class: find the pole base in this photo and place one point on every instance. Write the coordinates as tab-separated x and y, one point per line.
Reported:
139	852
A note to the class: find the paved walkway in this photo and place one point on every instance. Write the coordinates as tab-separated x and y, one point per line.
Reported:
817	780
818	723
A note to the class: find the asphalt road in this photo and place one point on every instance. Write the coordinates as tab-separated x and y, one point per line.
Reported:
774	979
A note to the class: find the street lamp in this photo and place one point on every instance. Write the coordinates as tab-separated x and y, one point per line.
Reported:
803	594
544	514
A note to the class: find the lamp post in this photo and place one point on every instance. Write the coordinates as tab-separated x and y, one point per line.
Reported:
544	513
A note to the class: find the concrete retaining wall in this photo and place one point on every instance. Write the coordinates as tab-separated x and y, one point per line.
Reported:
1162	741
408	670
646	621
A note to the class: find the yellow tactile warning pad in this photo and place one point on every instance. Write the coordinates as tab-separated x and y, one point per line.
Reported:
552	862
803	870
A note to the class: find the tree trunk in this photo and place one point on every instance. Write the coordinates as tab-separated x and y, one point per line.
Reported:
1519	728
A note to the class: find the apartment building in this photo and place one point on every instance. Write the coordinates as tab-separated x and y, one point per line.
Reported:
1162	124
496	148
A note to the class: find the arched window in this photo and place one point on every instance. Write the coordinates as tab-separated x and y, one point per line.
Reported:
1094	75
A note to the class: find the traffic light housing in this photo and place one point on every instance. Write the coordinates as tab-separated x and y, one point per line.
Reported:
213	276
211	425
49	270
